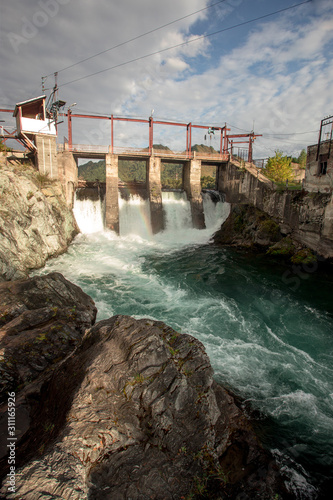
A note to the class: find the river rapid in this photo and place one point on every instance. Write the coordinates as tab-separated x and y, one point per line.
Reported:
269	334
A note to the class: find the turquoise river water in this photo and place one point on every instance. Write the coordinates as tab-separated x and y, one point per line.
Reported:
268	331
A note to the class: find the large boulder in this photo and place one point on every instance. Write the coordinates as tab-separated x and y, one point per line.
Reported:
134	413
35	221
42	319
247	226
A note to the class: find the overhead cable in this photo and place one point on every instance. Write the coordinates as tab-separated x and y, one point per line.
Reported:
137	37
201	37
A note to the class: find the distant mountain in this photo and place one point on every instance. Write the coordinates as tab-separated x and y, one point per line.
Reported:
202	148
131	170
92	171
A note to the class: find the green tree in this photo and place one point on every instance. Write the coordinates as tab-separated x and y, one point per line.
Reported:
302	159
278	168
208	182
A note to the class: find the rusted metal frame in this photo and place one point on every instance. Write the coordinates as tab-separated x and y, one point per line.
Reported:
176	124
138	120
11	136
69	120
322	124
98	117
221	140
249	156
111	134
151	135
329	147
188	140
206	126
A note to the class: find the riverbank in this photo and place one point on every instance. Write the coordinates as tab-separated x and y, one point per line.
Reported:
249	229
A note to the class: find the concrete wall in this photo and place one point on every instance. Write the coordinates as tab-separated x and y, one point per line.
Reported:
111	195
68	175
46	156
306	217
315	181
192	187
155	193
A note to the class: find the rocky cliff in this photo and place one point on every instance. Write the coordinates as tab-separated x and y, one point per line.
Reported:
35	222
126	409
306	218
250	228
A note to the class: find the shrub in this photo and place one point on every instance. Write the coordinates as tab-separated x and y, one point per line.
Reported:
304	256
42	179
270	228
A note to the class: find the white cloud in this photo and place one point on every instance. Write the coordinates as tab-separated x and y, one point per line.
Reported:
277	73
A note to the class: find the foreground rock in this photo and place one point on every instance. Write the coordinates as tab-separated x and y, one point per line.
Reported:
134	413
35	221
42	320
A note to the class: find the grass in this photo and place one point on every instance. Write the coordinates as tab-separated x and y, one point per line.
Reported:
292	186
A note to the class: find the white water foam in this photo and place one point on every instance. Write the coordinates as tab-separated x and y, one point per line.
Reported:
134	217
263	349
177	210
89	215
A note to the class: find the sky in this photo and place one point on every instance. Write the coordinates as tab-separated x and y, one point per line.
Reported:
207	62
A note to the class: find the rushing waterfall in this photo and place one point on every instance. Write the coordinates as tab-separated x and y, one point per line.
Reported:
134	213
89	214
134	216
269	343
177	210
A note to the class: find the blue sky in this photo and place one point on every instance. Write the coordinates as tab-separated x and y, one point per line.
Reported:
274	74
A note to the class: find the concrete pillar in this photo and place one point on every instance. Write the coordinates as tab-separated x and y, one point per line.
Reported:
221	171
68	175
192	187
155	194
327	227
111	196
46	156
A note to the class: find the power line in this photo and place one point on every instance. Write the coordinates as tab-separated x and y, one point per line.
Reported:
201	37
290	133
137	37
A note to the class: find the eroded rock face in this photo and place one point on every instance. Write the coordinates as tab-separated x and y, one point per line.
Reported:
42	319
134	413
246	226
35	221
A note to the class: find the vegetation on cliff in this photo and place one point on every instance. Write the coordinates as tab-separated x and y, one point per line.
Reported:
248	227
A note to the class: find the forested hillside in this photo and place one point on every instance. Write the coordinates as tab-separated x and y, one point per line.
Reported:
130	170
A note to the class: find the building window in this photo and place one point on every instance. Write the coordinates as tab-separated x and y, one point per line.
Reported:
323	168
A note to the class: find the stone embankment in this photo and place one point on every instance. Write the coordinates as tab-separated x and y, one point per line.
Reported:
124	409
35	221
305	218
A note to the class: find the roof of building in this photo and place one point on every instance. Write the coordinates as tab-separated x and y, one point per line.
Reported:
29	101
